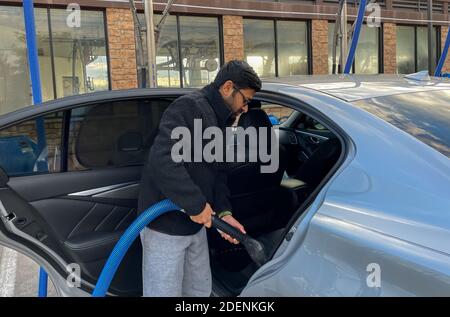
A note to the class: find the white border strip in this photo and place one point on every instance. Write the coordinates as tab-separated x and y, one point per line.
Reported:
8	266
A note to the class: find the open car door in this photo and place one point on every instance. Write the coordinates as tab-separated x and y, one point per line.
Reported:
70	181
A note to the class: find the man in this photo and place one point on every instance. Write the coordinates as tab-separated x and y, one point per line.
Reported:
175	246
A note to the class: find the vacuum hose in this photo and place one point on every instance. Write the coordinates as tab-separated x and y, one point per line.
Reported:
254	248
127	239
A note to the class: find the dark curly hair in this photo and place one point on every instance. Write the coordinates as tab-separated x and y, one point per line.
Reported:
240	73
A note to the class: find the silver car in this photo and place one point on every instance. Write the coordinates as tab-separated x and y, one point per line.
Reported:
359	206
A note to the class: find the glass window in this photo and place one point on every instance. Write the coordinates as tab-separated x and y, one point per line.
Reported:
79	56
412	41
424	115
405	49
277	113
113	133
14	79
167	60
422	48
330	48
292	48
259	46
367	52
33	146
15	91
79	53
200	50
366	55
44	54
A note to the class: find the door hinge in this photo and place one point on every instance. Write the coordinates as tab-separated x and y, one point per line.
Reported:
8	216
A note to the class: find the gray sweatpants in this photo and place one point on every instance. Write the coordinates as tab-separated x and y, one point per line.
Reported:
174	266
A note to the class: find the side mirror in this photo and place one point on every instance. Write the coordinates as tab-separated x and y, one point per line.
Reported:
4	179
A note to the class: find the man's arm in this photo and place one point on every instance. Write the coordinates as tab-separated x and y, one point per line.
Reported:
171	177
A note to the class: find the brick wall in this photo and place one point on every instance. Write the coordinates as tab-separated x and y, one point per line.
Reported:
444	31
122	50
233	37
390	48
320	46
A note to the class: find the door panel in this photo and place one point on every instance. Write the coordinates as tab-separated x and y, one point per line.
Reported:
81	229
38	187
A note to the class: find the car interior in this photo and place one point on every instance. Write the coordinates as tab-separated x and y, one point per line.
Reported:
265	203
81	205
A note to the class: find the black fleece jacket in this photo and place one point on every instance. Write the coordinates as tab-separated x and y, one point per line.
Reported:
190	185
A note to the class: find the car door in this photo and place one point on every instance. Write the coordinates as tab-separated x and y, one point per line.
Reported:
71	173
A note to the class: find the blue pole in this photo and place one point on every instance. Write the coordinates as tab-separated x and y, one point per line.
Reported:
355	38
43	283
35	79
438	71
35	76
33	61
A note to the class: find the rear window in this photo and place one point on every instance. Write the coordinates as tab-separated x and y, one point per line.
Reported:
424	115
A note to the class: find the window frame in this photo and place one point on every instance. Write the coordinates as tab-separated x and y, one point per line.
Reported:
380	51
276	46
437	29
67	104
48	8
177	16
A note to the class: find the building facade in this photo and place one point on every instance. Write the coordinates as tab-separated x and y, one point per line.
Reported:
278	38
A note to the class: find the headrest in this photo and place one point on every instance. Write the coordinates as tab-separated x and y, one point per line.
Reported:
254	118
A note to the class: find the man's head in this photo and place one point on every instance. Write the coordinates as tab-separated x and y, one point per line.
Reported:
237	83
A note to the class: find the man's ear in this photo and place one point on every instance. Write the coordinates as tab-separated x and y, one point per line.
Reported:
227	88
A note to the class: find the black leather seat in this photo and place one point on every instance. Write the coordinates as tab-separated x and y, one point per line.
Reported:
259	203
256	196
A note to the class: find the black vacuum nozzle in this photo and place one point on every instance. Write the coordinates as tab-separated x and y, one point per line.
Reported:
255	249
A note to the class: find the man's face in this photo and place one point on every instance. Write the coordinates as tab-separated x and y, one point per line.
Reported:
236	99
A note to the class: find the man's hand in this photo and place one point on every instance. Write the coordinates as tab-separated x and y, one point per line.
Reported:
204	218
233	222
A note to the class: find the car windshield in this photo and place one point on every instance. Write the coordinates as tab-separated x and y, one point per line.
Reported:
424	115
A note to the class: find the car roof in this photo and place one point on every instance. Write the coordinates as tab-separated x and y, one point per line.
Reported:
356	87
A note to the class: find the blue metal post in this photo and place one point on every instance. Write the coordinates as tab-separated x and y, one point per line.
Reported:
43	283
438	71
33	61
33	64
35	78
355	38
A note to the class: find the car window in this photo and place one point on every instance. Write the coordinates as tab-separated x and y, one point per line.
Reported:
33	146
113	133
424	115
277	113
307	123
